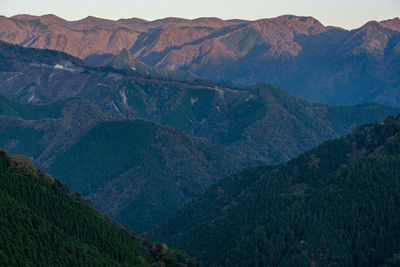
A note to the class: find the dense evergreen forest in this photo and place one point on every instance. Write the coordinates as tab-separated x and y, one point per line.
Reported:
140	173
43	224
336	205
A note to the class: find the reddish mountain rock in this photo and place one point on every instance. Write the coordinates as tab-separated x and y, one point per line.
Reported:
324	64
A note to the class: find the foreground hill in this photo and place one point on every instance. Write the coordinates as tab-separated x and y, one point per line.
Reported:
136	172
323	64
261	122
336	205
42	223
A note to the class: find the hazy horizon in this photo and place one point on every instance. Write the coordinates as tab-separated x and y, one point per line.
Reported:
338	13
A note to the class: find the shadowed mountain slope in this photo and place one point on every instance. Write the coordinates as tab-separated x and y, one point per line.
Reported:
134	171
337	204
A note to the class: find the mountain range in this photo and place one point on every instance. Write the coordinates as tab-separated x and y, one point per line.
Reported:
85	125
262	122
173	129
321	63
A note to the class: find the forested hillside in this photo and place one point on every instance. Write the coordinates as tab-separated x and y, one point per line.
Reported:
143	168
44	224
135	171
140	173
336	205
44	131
260	122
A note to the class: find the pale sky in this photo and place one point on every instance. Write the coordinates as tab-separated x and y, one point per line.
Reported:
348	14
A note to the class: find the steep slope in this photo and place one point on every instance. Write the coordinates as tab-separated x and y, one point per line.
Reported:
260	122
337	204
45	131
140	173
134	171
31	111
177	75
80	38
324	64
122	60
92	36
42	223
125	60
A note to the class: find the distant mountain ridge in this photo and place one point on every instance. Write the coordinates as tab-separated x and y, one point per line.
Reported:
323	64
90	35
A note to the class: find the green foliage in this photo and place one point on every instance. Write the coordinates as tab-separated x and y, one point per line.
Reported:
31	111
140	184
125	144
123	60
110	150
337	204
43	224
140	173
13	55
37	129
178	75
196	106
30	140
242	117
243	41
135	171
261	122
